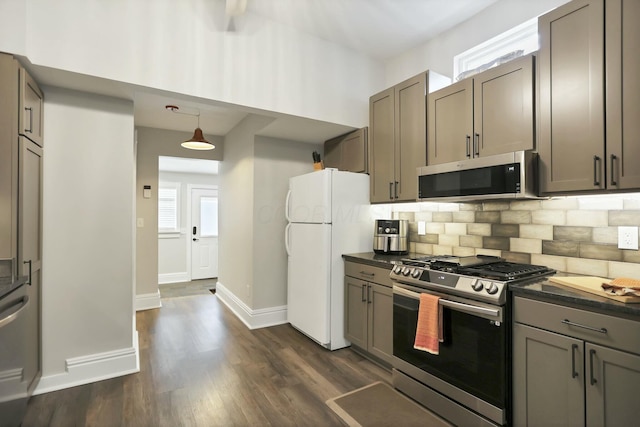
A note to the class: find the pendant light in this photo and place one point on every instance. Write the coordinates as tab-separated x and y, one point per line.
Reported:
197	141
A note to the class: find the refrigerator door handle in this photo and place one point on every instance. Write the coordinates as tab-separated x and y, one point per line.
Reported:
286	239
286	206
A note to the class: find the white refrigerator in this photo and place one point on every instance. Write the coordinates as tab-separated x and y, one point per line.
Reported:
329	215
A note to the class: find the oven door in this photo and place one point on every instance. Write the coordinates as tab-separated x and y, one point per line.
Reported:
471	367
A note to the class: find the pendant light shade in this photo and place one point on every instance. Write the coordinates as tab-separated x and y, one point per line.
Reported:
197	142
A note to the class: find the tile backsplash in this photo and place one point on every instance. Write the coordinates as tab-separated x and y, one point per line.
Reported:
574	235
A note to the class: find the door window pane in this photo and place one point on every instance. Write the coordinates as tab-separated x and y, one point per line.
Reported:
209	216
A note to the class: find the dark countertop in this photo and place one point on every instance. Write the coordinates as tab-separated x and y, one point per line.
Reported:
8	284
541	290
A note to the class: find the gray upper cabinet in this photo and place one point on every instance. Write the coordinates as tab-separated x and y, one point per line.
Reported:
589	96
489	113
347	152
397	137
31	109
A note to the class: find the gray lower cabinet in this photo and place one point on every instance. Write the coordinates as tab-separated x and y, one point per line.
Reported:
573	367
369	310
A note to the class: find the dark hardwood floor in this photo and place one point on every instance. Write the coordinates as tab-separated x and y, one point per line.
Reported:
200	366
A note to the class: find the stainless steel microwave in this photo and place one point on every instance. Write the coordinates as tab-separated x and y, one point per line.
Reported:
502	176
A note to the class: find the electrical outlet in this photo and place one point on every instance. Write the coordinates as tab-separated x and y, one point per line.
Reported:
628	238
422	228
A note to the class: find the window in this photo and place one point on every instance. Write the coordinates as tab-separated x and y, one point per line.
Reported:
209	216
169	207
520	40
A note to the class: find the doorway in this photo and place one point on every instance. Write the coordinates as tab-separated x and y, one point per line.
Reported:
204	232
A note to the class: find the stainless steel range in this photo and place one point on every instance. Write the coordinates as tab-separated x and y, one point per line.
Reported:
468	382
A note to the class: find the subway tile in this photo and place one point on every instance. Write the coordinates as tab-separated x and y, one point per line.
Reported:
412	247
463	251
603	252
515	217
505	230
624	218
588	218
536	231
563	204
479	229
624	269
429	206
490	217
501	243
531	246
471	241
526	205
631	201
495	206
490	252
588	267
558	263
409	216
549	217
423	248
455	228
605	235
448	207
600	203
576	234
464	216
449	240
630	255
405	207
428	238
434	227
442	250
568	249
443	216
519	257
470	206
425	216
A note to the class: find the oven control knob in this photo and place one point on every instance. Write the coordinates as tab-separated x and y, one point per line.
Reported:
397	269
477	285
406	271
415	273
492	289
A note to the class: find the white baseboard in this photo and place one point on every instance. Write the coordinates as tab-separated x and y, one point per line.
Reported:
253	319
148	301
173	278
93	367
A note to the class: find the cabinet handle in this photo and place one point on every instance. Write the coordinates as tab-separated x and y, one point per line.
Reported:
613	175
30	130
596	159
468	146
363	296
591	328
476	145
574	373
365	273
592	353
396	189
369	294
28	262
391	191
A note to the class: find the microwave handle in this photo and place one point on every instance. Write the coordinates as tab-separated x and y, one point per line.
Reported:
458	306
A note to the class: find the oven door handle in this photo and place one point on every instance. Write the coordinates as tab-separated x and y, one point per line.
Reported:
459	306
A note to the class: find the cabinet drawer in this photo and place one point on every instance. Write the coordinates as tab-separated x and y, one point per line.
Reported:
598	328
369	273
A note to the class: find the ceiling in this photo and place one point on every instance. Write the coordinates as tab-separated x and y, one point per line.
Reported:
378	28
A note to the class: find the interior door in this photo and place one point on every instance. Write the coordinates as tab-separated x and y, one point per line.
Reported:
204	233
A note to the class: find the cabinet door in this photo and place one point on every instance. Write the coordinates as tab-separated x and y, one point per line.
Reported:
31	108
354	151
8	157
548	378
381	146
503	108
355	311
333	153
380	321
410	136
612	381
450	123
571	119
623	93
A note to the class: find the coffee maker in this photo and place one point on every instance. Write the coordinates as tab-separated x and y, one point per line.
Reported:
391	236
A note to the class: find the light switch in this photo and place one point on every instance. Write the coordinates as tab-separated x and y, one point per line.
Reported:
140	222
146	192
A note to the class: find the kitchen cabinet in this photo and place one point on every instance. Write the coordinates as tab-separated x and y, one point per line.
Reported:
588	131
31	108
573	367
397	137
369	310
347	152
489	113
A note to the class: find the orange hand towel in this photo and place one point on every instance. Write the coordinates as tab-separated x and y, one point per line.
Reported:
429	327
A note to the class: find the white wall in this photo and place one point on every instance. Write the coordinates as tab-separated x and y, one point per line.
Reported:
173	255
88	328
263	64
